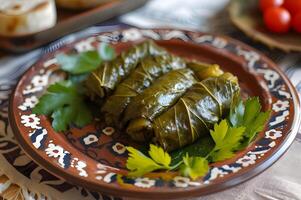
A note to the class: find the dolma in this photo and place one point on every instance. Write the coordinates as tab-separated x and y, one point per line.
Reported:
148	70
155	100
104	79
203	105
204	70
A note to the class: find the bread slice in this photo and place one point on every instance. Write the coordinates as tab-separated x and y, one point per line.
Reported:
79	4
23	17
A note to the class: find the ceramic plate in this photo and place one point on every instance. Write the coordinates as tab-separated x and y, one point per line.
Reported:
94	156
247	17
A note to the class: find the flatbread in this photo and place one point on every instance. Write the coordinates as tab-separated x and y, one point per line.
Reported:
23	17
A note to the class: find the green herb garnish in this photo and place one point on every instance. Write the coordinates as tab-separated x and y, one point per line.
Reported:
194	167
64	102
248	114
139	164
79	63
244	122
226	139
86	61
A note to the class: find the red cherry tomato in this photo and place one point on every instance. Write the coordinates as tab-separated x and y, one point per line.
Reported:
297	22
265	4
293	6
277	19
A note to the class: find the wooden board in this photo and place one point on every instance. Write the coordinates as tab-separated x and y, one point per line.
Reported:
69	21
246	16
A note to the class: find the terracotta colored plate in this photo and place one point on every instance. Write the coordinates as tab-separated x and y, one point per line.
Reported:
247	17
94	157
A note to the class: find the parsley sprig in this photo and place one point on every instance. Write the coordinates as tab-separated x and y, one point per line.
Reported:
229	135
65	101
248	114
139	164
65	104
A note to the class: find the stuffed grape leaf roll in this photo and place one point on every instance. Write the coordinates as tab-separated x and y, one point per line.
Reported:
155	100
104	79
204	70
203	105
148	70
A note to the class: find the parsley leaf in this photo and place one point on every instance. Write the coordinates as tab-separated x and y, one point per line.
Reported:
139	164
84	62
221	155
236	116
219	132
64	102
79	63
159	155
194	167
106	51
249	115
226	139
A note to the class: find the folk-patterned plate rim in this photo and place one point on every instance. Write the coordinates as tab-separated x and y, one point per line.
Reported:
213	41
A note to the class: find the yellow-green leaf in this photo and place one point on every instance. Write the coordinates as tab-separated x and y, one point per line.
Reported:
219	132
159	155
221	155
194	167
139	164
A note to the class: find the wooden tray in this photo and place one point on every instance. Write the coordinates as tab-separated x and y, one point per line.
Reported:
69	21
246	16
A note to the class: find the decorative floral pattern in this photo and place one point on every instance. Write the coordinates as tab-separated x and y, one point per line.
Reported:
280	105
31	121
85	45
281	102
247	160
80	166
273	134
180	181
183	182
144	182
132	35
108	131
29	102
119	148
90	139
40	81
55	151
